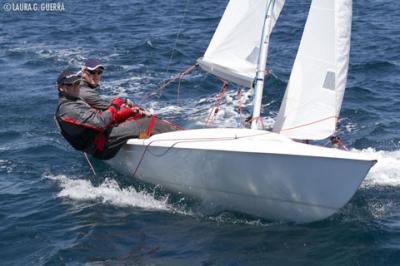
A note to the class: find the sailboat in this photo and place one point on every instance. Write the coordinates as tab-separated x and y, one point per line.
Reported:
268	174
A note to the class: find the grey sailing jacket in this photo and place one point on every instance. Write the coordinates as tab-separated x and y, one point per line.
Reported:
91	96
84	127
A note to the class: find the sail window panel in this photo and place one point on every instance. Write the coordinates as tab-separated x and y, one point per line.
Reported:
329	82
253	56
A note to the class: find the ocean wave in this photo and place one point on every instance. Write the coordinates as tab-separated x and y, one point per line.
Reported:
374	66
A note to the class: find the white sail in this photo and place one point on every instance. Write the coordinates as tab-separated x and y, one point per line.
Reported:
314	95
234	49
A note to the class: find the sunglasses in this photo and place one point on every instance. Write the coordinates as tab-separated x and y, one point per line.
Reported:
94	72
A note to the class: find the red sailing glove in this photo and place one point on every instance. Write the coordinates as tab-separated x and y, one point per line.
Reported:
117	102
124	114
114	113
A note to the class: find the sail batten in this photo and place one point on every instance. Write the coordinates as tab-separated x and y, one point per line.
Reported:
314	94
234	49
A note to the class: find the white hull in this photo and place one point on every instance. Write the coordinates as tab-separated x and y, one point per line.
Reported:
255	172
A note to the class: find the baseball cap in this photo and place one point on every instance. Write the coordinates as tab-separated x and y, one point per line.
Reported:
93	64
67	77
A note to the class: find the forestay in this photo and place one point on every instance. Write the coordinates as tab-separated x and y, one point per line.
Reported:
234	49
314	95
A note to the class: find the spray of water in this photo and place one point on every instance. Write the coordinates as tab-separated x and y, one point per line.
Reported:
386	172
109	192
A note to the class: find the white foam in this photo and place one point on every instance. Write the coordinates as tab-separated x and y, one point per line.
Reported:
72	55
379	209
6	166
124	86
228	218
387	170
351	127
228	115
196	112
166	110
109	192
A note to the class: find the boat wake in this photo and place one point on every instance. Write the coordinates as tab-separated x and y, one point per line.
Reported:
386	172
109	192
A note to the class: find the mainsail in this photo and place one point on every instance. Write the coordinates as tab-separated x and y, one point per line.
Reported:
234	49
314	95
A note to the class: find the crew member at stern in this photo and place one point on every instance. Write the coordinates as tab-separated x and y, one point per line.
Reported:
99	133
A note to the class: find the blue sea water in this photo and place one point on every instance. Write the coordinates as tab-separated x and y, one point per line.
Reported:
52	211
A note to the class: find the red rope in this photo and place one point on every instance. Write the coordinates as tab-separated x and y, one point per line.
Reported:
217	104
150	127
341	144
335	140
311	123
166	83
179	77
338	140
169	123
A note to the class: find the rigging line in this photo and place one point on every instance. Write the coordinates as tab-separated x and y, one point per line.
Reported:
147	148
148	145
90	164
299	107
336	142
168	82
343	146
179	88
169	123
177	141
218	99
152	19
310	123
178	33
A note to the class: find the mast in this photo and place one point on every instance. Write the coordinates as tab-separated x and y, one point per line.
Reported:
262	62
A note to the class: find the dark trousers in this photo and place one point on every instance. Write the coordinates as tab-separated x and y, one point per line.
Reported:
128	130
